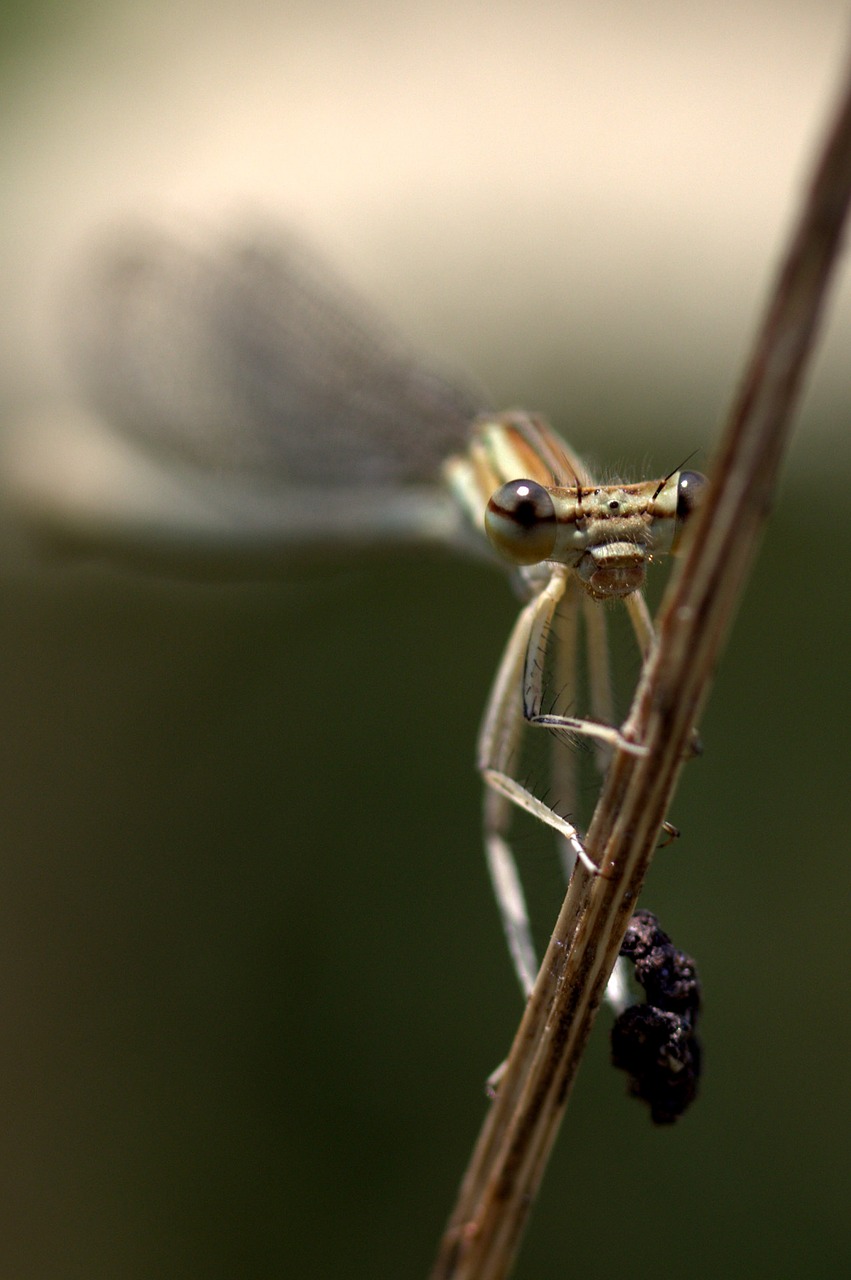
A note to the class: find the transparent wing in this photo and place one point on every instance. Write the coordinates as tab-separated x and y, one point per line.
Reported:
252	356
238	408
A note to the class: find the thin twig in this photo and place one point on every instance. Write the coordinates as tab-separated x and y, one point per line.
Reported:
508	1162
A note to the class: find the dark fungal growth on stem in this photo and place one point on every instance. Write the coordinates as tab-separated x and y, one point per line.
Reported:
655	1043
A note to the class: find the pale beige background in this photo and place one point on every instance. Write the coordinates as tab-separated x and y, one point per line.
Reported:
536	192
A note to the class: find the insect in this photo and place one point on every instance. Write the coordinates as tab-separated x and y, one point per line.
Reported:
240	403
574	544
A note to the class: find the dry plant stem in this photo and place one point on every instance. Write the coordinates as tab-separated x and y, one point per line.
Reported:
507	1165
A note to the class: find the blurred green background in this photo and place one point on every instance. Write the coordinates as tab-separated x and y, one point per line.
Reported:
251	976
254	977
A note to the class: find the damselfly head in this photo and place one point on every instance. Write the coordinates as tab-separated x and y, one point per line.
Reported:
606	533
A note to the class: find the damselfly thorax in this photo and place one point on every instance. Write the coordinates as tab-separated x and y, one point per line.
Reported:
573	544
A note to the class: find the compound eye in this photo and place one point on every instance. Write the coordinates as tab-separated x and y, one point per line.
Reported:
689	488
521	522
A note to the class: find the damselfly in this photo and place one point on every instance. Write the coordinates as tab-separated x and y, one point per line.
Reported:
274	414
574	544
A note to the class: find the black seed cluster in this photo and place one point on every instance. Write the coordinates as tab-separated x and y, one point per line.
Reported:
655	1043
